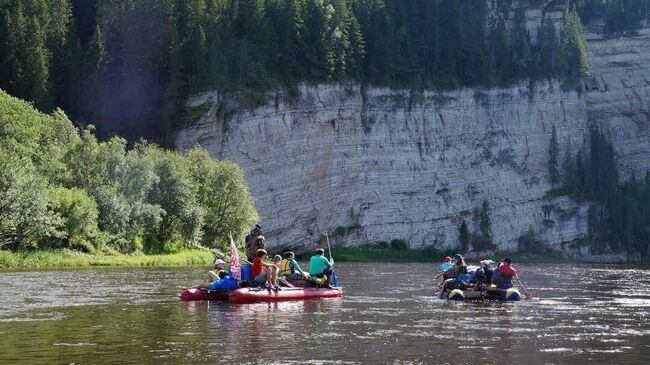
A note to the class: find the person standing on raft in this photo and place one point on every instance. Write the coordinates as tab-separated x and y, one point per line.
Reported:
254	241
320	266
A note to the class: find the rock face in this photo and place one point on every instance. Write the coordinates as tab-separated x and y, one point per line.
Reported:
618	98
375	164
372	164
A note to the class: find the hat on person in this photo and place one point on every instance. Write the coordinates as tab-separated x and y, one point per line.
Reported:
277	258
458	256
507	259
487	262
447	259
219	262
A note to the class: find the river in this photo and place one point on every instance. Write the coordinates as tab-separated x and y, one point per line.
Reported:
388	315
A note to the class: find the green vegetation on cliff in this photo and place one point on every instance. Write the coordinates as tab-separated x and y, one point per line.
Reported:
128	65
619	212
62	188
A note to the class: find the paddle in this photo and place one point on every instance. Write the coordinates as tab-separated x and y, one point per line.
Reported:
335	281
527	294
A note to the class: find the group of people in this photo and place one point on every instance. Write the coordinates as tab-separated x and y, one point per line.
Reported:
273	274
454	269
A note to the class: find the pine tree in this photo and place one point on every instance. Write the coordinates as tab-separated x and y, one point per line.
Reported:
485	225
569	172
499	48
547	48
522	59
34	63
574	48
473	63
553	151
581	172
464	236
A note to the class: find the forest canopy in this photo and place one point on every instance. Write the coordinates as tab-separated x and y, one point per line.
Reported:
129	65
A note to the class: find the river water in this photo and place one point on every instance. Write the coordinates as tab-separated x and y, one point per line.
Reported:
388	315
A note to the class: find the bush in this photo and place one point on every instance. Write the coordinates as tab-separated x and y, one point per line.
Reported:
183	216
529	243
77	226
221	191
340	231
24	219
60	189
399	245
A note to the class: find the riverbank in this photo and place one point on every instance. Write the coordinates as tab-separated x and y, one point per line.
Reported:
372	253
66	259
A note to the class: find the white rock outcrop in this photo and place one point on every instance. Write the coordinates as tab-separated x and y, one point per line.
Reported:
618	98
382	164
385	164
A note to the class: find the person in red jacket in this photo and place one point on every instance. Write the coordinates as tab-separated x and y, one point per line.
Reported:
265	274
504	274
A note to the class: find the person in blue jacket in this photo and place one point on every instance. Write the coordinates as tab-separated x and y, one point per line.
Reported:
219	278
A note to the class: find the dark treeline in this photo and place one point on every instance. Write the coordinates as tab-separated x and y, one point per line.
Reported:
619	16
127	65
619	213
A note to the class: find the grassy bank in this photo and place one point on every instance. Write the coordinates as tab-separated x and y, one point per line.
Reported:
34	260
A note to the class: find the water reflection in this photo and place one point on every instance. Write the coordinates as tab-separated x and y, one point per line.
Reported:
388	315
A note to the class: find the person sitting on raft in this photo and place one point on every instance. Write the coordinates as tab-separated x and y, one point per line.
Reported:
320	266
214	276
484	274
459	268
264	274
503	275
290	269
446	265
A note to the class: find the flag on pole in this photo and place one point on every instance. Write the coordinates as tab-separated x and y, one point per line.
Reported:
235	268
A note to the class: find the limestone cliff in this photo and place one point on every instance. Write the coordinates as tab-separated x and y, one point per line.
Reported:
380	164
618	98
384	164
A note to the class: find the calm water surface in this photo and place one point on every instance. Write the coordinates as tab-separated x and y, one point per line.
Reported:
387	316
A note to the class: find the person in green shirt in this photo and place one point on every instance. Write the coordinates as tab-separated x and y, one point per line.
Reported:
320	266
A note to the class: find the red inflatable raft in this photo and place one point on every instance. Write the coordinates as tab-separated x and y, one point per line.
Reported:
255	295
202	294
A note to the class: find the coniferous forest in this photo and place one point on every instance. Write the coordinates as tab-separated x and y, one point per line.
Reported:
619	212
128	65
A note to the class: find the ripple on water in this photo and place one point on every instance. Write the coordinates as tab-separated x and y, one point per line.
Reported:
134	316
